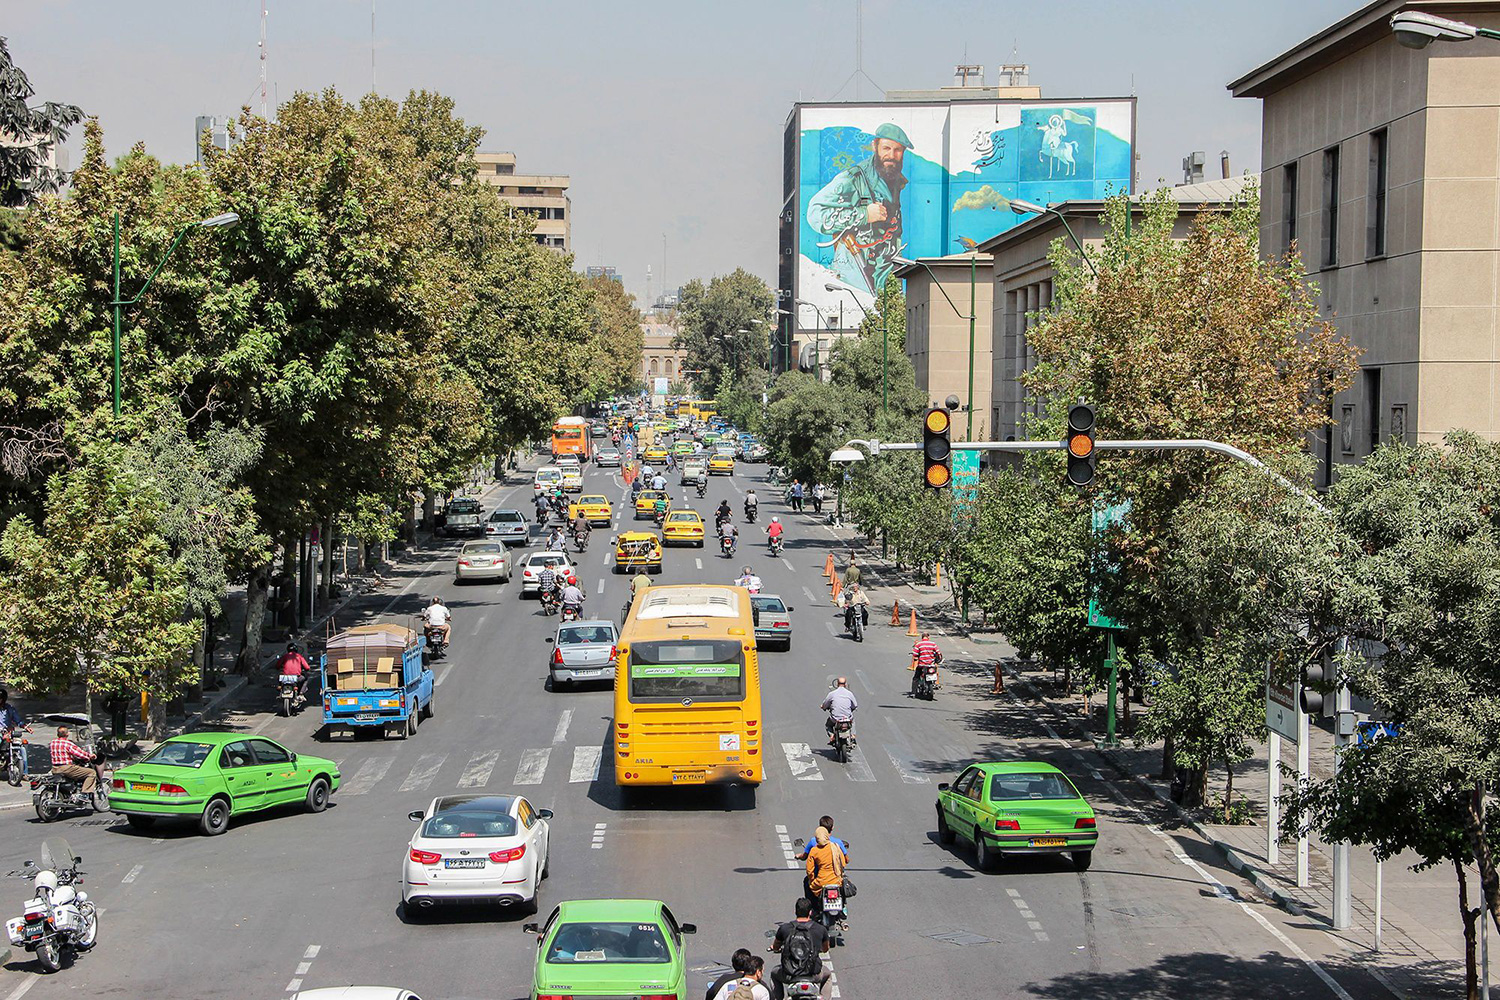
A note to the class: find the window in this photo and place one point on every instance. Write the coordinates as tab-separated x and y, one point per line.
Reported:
1372	404
1379	170
1346	429
1011	787
1330	207
236	755
267	752
1289	202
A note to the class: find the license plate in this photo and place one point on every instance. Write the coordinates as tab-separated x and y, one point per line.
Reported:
1048	841
463	862
142	786
689	777
585	673
366	717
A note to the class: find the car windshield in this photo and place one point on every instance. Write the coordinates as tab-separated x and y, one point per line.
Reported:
507	516
484	547
546	559
464	518
548	475
684	517
1039	785
607	942
773	604
575	634
179	754
598	500
469	822
671	669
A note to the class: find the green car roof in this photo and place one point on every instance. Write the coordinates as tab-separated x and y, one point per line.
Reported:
1016	767
216	739
639	910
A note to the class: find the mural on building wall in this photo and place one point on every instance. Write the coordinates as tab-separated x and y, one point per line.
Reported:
882	183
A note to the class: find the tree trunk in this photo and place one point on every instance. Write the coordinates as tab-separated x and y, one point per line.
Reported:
1470	917
325	583
1228	786
429	510
1489	881
289	574
1168	762
156	718
257	589
361	556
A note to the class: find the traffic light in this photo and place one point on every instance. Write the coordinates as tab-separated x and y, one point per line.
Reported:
1315	678
1080	443
937	448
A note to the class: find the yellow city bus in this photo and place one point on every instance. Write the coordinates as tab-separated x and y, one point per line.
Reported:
687	689
705	408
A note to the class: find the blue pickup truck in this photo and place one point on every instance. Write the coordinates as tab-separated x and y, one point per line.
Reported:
374	679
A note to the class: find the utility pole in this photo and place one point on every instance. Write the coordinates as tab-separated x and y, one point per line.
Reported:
263	14
372	46
1341	724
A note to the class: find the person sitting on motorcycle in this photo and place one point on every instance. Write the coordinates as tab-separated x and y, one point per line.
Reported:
749	581
635	487
658	482
817	941
840	705
774	531
924	654
546	582
659	509
543	508
854	597
752	503
825	867
436	616
572	598
702	486
730	532
826	822
555	541
64	752
581	527
10	718
722	515
292	663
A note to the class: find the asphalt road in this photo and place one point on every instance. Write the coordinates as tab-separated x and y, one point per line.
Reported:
291	900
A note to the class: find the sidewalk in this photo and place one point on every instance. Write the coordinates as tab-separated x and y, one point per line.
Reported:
1421	952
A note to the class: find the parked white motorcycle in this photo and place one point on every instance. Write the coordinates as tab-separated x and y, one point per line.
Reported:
60	920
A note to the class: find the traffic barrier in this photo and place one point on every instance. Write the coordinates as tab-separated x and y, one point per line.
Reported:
828	567
913	629
896	613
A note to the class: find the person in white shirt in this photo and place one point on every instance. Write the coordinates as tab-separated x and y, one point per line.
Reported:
747	987
658	482
572	597
749	581
436	616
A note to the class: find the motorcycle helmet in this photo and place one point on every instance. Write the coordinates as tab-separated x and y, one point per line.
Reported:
775	520
45	881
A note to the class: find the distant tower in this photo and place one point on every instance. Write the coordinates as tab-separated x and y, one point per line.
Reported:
263	14
649	300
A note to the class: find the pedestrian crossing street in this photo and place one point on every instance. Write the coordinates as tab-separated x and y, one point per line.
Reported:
797	762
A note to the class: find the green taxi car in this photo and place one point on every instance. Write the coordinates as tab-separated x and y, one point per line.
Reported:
1020	807
605	948
213	776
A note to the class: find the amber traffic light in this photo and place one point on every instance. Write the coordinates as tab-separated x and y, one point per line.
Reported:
937	448
1080	443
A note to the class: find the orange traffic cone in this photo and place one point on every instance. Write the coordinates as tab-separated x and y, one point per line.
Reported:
913	629
937	580
828	567
896	613
837	588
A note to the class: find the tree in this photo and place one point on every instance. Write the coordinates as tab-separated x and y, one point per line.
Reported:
95	596
888	318
36	132
617	338
710	318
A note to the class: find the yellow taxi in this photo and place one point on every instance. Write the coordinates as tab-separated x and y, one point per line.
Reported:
721	465
683	526
637	550
594	507
645	504
656	453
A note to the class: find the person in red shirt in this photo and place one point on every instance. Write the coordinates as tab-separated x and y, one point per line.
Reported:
774	530
64	752
924	653
293	663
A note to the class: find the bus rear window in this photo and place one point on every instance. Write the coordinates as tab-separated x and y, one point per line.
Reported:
703	670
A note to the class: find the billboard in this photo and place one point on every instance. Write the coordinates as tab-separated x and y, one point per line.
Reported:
881	182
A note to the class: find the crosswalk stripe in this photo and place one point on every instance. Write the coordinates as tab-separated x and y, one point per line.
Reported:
423	771
585	763
477	773
370	772
532	767
799	759
858	769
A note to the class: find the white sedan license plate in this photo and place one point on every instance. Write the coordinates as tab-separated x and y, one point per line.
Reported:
463	862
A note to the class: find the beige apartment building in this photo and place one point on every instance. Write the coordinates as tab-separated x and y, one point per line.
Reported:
937	334
543	195
1381	165
658	357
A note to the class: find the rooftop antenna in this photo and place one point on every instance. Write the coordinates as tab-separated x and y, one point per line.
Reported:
859	55
372	46
263	14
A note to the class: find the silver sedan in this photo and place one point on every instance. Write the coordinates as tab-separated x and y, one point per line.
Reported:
482	561
583	651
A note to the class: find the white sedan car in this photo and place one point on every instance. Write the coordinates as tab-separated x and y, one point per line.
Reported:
531	567
475	849
482	561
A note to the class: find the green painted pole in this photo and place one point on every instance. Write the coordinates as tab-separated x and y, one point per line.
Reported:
1112	661
969	434
117	305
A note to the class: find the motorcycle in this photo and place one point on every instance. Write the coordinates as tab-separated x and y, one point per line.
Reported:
702	488
436	644
60	920
927	681
751	509
726	545
289	691
14	761
843	739
571	612
856	617
796	987
549	601
53	794
581	540
659	517
775	546
831	907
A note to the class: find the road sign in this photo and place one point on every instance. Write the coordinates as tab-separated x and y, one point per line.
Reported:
660	386
1369	729
965	477
1102	518
1281	710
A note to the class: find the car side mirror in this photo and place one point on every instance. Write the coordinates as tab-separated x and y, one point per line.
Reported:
531	928
689	928
943	786
77	859
294	756
415	815
545	813
550	639
790	609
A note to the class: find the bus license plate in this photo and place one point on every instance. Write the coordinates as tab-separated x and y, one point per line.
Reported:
689	777
1048	841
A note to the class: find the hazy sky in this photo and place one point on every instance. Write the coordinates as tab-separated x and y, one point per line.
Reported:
668	114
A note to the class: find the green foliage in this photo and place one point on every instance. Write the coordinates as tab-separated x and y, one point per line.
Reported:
888	319
24	173
616	326
709	318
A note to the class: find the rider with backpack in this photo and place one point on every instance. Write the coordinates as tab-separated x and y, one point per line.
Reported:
749	985
800	942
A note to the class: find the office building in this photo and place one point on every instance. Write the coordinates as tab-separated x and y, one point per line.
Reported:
938	293
601	271
544	196
218	130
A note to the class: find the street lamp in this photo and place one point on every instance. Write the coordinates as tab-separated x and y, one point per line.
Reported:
1417	30
217	222
885	337
1031	208
973	312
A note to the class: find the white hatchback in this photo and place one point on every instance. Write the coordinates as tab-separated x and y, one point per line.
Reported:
546	479
475	849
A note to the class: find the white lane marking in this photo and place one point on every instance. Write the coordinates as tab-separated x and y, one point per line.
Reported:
810	595
370	772
864	679
294	986
788	850
477	772
563	721
130	875
478	622
423	771
598	842
698	563
532	767
1222	891
437	681
1096	775
789	564
897	756
26	984
799	759
858	768
303	968
601	586
158	840
585	763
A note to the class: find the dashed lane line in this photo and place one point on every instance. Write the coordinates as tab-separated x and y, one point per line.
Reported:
600	591
864	679
477	772
585	764
599	831
24	988
368	775
303	967
438	681
533	767
130	875
698	563
561	734
423	771
788	563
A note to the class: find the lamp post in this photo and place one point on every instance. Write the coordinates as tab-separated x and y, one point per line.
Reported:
1031	208
1417	30
818	342
217	222
885	346
904	262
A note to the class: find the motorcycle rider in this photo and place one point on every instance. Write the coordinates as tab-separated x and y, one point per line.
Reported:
64	752
555	541
658	482
543	508
581	527
826	822
850	599
840	705
436	616
572	599
722	516
748	580
924	654
546	582
729	531
294	664
774	531
752	504
800	960
659	509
